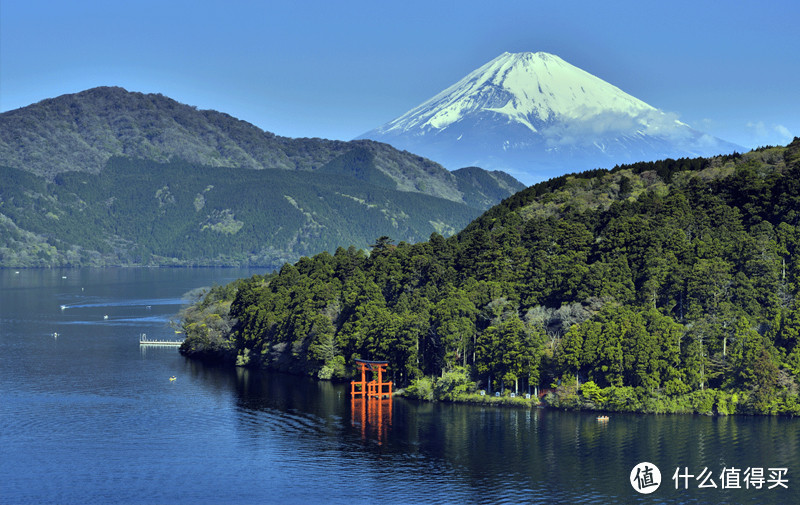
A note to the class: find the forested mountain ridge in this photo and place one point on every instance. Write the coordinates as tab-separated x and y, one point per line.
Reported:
110	177
665	286
83	131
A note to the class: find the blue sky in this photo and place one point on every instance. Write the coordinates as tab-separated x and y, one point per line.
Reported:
337	69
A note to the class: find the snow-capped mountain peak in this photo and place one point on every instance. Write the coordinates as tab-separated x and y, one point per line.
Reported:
527	88
526	112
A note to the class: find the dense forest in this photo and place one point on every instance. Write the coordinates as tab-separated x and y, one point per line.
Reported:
669	286
138	212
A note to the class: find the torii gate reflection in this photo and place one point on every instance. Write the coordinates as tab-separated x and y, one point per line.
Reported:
371	402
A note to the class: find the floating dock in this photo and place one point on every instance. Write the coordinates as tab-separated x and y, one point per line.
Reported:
143	340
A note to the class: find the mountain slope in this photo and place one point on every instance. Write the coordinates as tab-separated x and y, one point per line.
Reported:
138	212
82	131
537	116
111	177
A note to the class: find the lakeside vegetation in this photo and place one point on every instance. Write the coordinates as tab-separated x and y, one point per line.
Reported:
657	287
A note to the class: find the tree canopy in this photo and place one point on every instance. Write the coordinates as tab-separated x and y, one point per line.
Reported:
667	286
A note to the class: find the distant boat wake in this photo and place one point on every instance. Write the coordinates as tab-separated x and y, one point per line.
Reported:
128	303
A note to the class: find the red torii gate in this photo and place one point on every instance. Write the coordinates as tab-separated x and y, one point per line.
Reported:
368	399
373	388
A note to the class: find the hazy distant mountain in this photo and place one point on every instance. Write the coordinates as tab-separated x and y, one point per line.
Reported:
536	116
107	176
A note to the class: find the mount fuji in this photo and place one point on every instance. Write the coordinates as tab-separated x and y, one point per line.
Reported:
536	116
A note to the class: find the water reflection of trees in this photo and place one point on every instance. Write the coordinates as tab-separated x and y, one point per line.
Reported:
517	453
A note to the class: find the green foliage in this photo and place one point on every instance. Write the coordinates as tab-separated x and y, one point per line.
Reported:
453	384
421	389
682	298
594	394
333	369
566	394
207	326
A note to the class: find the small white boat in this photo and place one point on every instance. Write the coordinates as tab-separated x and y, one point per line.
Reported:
63	307
105	317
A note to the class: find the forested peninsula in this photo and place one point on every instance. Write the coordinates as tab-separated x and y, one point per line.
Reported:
669	286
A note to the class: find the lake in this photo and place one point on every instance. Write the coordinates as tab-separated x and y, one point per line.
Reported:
90	417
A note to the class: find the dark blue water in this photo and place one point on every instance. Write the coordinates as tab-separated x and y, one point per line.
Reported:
89	417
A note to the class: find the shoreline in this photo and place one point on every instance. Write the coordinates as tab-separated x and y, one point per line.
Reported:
550	401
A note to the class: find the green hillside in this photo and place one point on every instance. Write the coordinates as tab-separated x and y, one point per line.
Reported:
660	287
111	177
81	132
140	212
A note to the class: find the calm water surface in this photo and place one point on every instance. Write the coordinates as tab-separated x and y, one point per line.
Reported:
89	417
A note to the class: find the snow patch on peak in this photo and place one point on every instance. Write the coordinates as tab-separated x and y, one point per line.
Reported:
513	113
528	112
526	88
